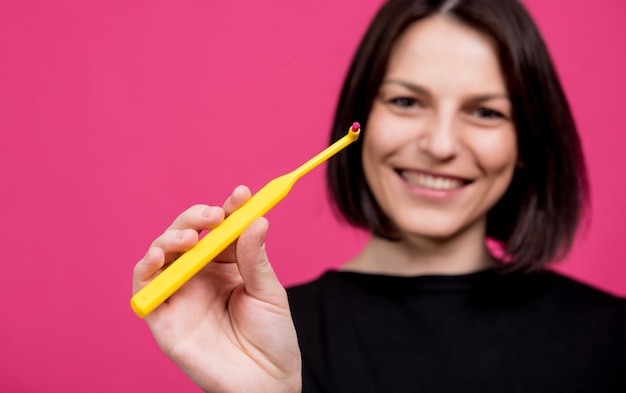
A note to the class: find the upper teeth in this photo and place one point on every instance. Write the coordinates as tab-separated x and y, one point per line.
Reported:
434	182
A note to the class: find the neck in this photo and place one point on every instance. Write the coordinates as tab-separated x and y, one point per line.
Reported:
422	256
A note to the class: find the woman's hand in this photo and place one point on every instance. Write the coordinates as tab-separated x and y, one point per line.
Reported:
229	327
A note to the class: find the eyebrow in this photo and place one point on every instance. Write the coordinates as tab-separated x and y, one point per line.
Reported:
414	88
423	91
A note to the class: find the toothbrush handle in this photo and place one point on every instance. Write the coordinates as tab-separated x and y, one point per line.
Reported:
210	246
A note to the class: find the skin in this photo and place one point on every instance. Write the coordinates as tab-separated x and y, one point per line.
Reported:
441	110
439	151
230	320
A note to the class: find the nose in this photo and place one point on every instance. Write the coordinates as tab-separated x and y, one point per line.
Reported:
440	138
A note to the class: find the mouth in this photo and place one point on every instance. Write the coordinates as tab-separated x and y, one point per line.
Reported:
431	181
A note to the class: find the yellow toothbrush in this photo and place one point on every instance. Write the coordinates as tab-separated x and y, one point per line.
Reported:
211	245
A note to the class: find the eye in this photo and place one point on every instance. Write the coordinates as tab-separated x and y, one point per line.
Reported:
404	102
486	113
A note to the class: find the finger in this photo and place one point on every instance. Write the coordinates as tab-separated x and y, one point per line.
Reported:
199	217
173	242
238	197
147	268
254	266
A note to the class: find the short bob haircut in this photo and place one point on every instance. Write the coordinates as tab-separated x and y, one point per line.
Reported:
537	218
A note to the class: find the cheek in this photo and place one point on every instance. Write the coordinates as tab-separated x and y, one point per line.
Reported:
370	156
374	141
496	151
385	133
379	143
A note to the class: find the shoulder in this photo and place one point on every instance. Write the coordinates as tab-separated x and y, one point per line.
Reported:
307	295
324	299
561	287
551	289
566	312
566	304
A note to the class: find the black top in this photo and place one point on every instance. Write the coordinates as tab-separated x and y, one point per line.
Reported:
482	332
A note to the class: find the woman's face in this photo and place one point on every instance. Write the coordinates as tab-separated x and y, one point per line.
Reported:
440	147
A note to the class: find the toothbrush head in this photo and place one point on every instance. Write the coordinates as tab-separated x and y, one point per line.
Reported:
354	131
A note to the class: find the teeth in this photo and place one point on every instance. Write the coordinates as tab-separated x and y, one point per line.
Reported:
432	182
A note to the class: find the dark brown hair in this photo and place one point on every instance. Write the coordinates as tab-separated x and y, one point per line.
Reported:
537	218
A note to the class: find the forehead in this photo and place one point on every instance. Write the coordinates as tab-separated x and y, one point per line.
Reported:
446	53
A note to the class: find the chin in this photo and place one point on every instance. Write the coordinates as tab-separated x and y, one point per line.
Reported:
440	232
434	234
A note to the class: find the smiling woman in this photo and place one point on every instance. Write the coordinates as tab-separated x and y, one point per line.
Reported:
498	76
468	138
435	167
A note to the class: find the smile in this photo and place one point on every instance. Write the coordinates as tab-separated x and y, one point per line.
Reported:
440	183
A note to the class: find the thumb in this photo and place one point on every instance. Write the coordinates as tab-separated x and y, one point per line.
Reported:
256	271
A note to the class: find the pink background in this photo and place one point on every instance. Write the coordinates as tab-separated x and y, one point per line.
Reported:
117	115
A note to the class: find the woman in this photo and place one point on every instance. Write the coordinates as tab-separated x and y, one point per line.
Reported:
468	139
